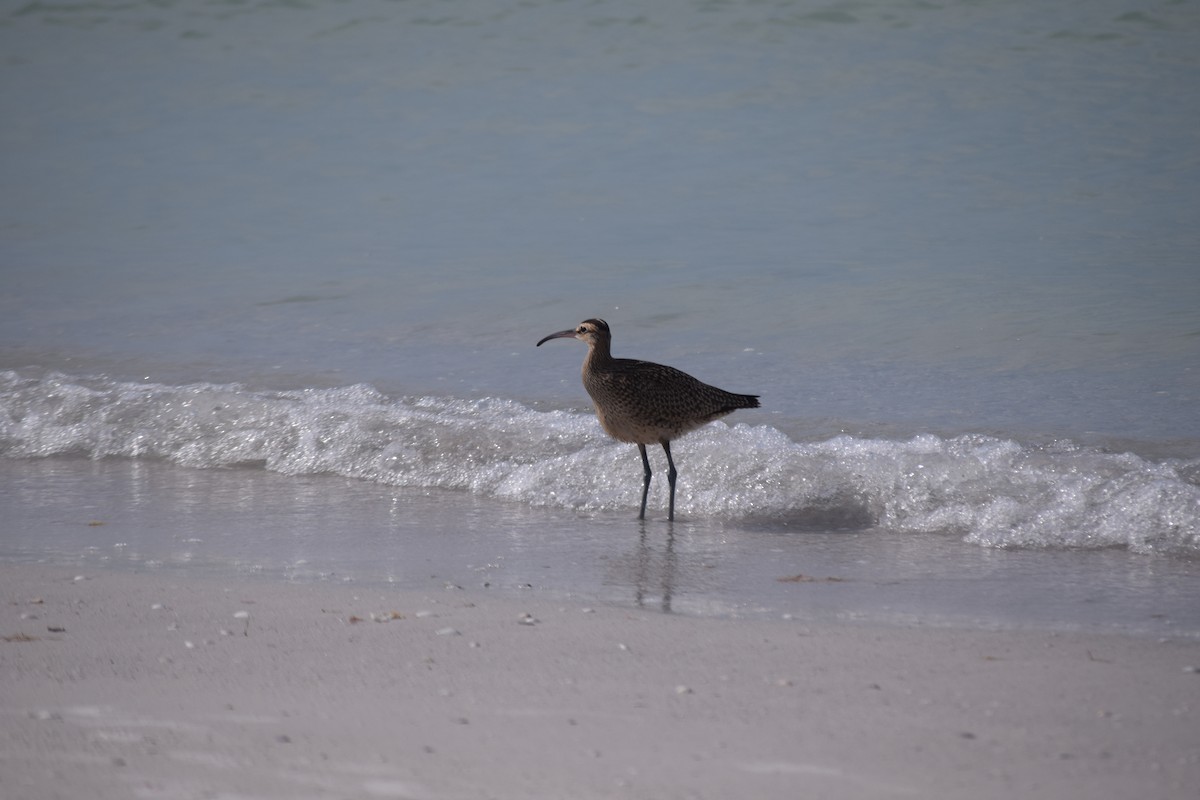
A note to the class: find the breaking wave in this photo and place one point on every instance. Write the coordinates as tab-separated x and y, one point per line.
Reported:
991	491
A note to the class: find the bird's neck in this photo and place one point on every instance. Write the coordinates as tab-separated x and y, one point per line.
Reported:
598	356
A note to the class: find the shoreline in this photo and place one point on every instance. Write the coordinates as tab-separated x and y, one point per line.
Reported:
176	686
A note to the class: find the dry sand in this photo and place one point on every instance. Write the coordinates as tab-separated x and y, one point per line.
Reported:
117	685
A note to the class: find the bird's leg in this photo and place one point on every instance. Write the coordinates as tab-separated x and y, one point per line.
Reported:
645	481
671	473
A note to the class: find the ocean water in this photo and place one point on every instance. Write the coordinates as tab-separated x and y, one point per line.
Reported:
295	253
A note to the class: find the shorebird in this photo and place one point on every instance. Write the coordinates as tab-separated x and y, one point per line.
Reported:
645	403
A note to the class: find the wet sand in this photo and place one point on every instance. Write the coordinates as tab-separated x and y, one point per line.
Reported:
171	685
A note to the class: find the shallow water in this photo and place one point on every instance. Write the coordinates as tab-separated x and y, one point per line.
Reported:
952	246
150	517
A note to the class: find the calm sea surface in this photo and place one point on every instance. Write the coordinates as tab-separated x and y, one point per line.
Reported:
953	246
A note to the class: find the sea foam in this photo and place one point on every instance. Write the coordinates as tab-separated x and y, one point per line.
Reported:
987	490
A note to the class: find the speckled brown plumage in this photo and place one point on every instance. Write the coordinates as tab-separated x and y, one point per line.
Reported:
646	403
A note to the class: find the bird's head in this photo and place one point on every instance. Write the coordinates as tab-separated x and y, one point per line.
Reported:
591	331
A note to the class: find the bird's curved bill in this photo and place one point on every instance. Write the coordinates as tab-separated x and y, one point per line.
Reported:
560	335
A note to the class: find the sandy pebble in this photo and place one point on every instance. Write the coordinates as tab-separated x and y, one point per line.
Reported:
681	689
241	615
423	614
448	632
527	619
189	645
156	606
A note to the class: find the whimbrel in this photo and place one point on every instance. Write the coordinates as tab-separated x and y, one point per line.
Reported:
646	403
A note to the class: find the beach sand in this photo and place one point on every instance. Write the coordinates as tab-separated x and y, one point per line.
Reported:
174	685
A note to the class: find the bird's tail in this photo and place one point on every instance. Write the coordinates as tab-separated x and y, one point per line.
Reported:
743	401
